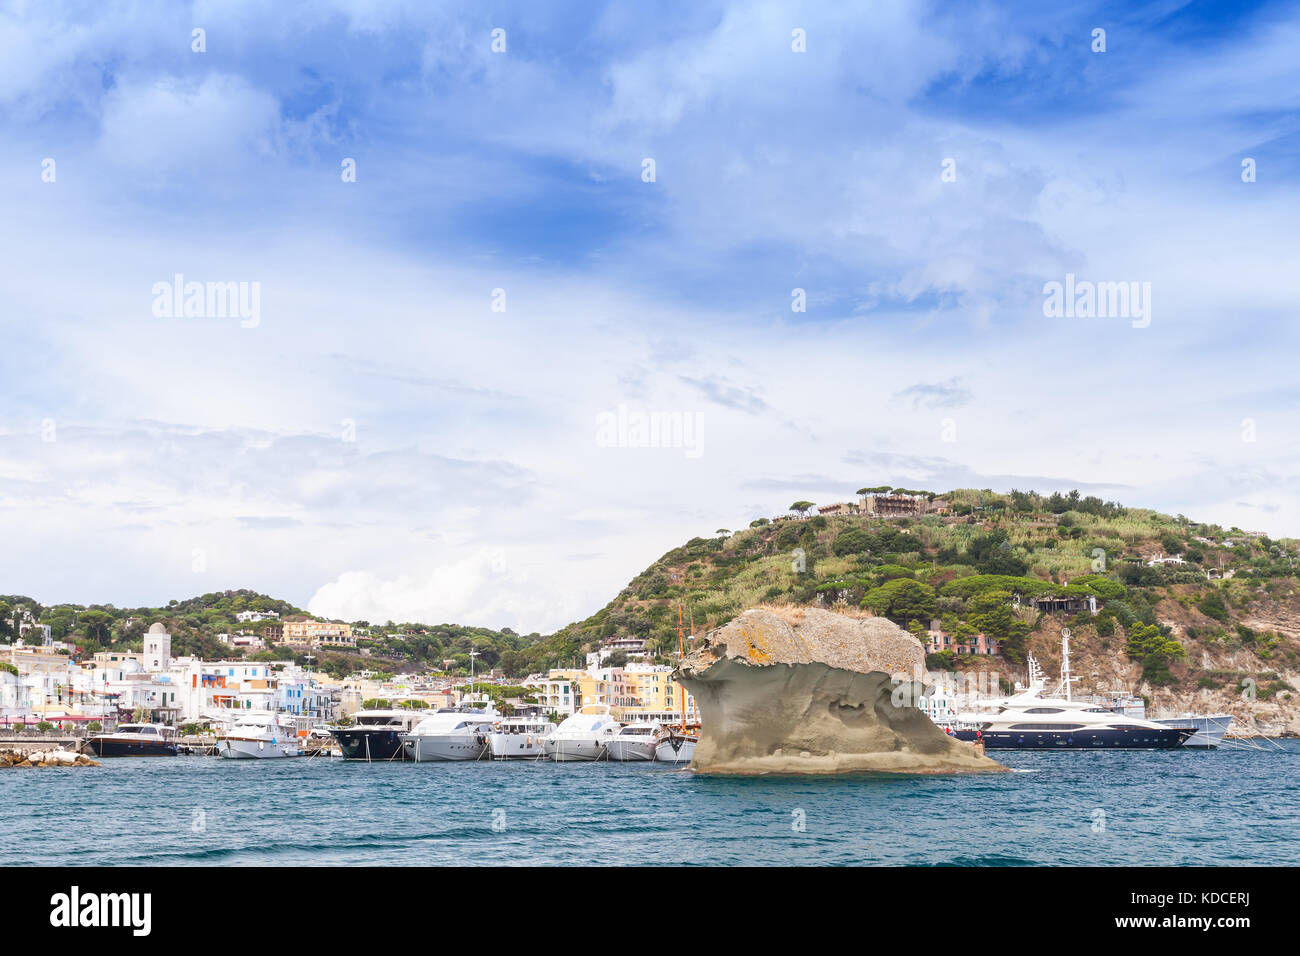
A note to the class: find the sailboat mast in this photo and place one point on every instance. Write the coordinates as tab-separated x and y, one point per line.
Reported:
681	656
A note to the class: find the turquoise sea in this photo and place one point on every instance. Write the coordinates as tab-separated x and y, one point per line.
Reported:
1137	808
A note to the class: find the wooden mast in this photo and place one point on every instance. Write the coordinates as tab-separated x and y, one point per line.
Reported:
681	658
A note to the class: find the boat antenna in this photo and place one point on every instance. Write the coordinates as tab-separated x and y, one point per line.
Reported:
1066	679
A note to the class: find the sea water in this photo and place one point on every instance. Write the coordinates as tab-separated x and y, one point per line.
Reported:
1180	807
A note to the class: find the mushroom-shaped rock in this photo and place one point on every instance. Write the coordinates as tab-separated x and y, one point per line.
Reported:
804	690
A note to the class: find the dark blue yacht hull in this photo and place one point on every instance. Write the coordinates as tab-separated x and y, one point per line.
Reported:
1127	738
370	743
108	747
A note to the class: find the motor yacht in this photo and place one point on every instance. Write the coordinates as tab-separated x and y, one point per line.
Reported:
256	735
519	737
1031	722
452	733
376	734
1207	729
134	740
634	742
582	736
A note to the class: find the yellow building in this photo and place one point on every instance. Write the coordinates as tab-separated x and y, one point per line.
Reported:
298	630
634	693
654	695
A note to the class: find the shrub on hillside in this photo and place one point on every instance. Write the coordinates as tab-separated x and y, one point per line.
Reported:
1212	605
888	572
852	541
902	600
1105	588
1156	651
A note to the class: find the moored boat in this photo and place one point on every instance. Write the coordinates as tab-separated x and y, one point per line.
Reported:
258	735
676	745
519	737
375	734
451	733
633	742
1207	729
134	740
582	736
1030	722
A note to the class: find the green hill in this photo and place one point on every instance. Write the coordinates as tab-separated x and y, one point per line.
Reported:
1223	615
1228	613
194	624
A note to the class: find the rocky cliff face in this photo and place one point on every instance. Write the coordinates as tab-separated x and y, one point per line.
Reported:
804	690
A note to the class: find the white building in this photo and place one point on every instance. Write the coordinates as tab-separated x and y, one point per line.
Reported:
554	693
15	698
157	648
243	616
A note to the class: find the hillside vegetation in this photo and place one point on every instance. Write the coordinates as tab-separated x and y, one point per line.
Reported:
194	624
1220	621
1225	620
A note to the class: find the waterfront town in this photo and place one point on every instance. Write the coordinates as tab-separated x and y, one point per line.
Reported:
43	686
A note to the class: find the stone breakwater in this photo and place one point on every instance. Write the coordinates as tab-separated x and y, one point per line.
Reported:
808	691
45	758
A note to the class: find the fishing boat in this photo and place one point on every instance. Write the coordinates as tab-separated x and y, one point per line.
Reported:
677	744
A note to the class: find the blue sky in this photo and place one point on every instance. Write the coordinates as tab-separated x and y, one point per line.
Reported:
475	489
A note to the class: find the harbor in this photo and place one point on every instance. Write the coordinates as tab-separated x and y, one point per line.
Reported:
282	711
1141	808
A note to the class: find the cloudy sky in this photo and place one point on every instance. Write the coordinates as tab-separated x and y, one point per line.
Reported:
415	421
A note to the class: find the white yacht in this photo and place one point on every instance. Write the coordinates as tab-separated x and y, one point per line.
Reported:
582	736
451	734
675	745
1207	729
1032	722
634	742
258	734
516	738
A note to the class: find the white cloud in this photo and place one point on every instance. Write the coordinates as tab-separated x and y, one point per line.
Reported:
478	585
476	430
168	124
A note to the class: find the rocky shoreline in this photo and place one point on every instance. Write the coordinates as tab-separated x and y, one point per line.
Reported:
45	758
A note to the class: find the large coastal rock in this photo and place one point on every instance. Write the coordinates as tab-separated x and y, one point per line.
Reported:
804	690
